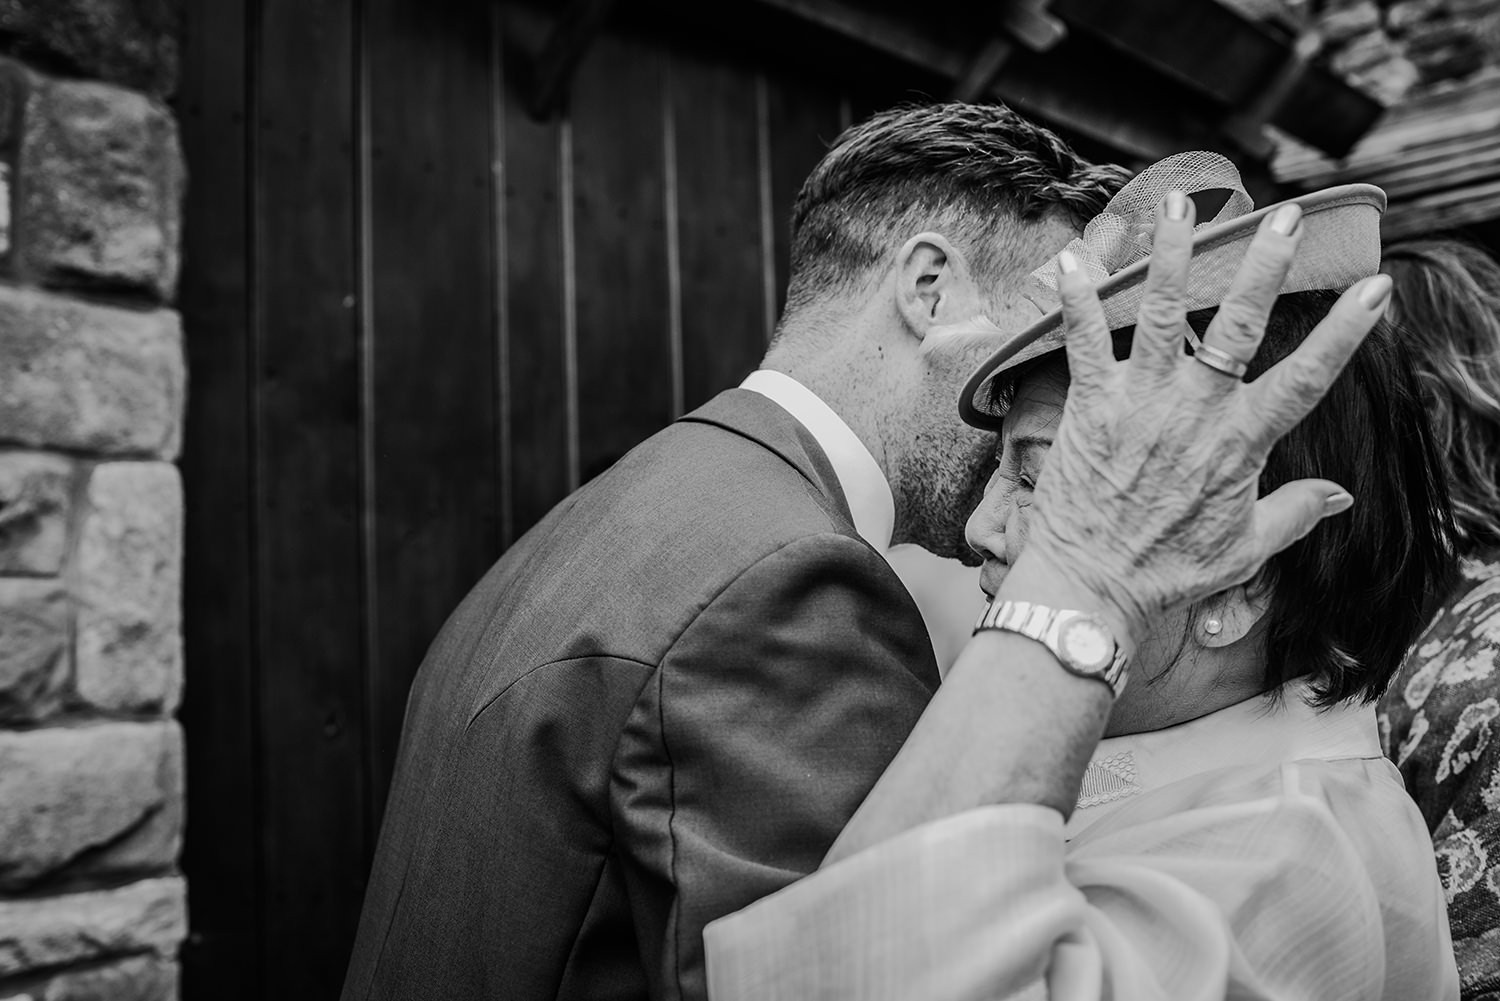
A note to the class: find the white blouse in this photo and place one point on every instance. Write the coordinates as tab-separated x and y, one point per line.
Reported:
1245	854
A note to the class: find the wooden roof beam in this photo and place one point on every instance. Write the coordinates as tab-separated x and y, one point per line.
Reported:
1023	22
904	40
884	32
1248	126
1247	62
552	73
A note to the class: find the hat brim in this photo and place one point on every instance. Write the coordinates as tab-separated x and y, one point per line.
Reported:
1340	245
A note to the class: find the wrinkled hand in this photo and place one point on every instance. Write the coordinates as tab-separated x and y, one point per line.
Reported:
1148	497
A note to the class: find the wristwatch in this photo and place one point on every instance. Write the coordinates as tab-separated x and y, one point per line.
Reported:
1081	641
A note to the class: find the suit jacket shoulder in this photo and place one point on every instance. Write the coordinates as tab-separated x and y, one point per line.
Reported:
503	808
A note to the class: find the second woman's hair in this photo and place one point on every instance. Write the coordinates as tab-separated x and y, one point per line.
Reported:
1447	302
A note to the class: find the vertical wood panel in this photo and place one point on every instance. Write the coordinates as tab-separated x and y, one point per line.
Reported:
435	397
223	957
310	583
769	286
803	118
719	224
535	445
671	204
624	344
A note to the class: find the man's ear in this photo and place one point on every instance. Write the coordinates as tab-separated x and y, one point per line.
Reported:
933	285
1229	616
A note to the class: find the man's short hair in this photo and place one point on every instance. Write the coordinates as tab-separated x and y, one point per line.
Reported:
964	170
1352	595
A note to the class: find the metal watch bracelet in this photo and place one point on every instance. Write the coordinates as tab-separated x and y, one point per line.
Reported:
1082	642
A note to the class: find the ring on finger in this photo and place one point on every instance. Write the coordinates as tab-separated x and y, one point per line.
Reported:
1221	361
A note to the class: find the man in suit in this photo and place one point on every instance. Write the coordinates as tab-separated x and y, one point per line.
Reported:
666	700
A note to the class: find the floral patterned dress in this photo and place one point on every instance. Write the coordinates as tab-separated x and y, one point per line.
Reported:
1438	723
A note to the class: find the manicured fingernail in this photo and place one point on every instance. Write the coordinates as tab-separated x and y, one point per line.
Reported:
1337	502
1286	218
1066	262
1376	293
1176	206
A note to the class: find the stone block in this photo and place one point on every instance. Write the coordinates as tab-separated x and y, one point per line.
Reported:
34	618
1452	62
35	500
1438	34
89	378
101	800
131	42
1473	10
139	978
100	189
1402	16
45	932
1358	54
129	568
1347	21
1388	82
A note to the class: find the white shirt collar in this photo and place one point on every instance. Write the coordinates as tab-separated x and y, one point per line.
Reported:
1248	733
865	487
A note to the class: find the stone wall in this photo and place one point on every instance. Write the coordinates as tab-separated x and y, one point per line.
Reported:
91	403
1396	48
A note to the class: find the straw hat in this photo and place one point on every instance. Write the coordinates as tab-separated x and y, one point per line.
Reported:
1340	245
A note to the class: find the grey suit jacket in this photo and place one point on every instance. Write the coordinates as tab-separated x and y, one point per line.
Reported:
662	704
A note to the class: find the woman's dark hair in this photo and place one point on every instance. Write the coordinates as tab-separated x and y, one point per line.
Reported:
1447	303
1348	600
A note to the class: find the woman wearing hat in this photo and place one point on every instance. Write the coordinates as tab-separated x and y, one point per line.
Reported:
1154	772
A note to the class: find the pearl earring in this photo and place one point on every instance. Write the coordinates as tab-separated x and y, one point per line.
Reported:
1213	627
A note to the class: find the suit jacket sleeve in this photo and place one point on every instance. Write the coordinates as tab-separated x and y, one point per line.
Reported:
769	720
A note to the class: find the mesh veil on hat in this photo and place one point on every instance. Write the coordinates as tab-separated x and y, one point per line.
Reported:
1340	245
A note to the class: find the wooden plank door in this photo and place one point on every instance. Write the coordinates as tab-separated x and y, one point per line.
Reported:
309	497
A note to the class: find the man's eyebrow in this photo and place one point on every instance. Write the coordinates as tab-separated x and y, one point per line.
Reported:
1027	442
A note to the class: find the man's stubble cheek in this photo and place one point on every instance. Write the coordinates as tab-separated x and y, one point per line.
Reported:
978	467
950	477
947	463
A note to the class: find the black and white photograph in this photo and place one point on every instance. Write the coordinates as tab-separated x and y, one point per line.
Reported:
749	500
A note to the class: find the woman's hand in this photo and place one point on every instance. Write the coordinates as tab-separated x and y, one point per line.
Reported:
1148	498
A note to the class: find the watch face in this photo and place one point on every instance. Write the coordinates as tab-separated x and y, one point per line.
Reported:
1087	644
